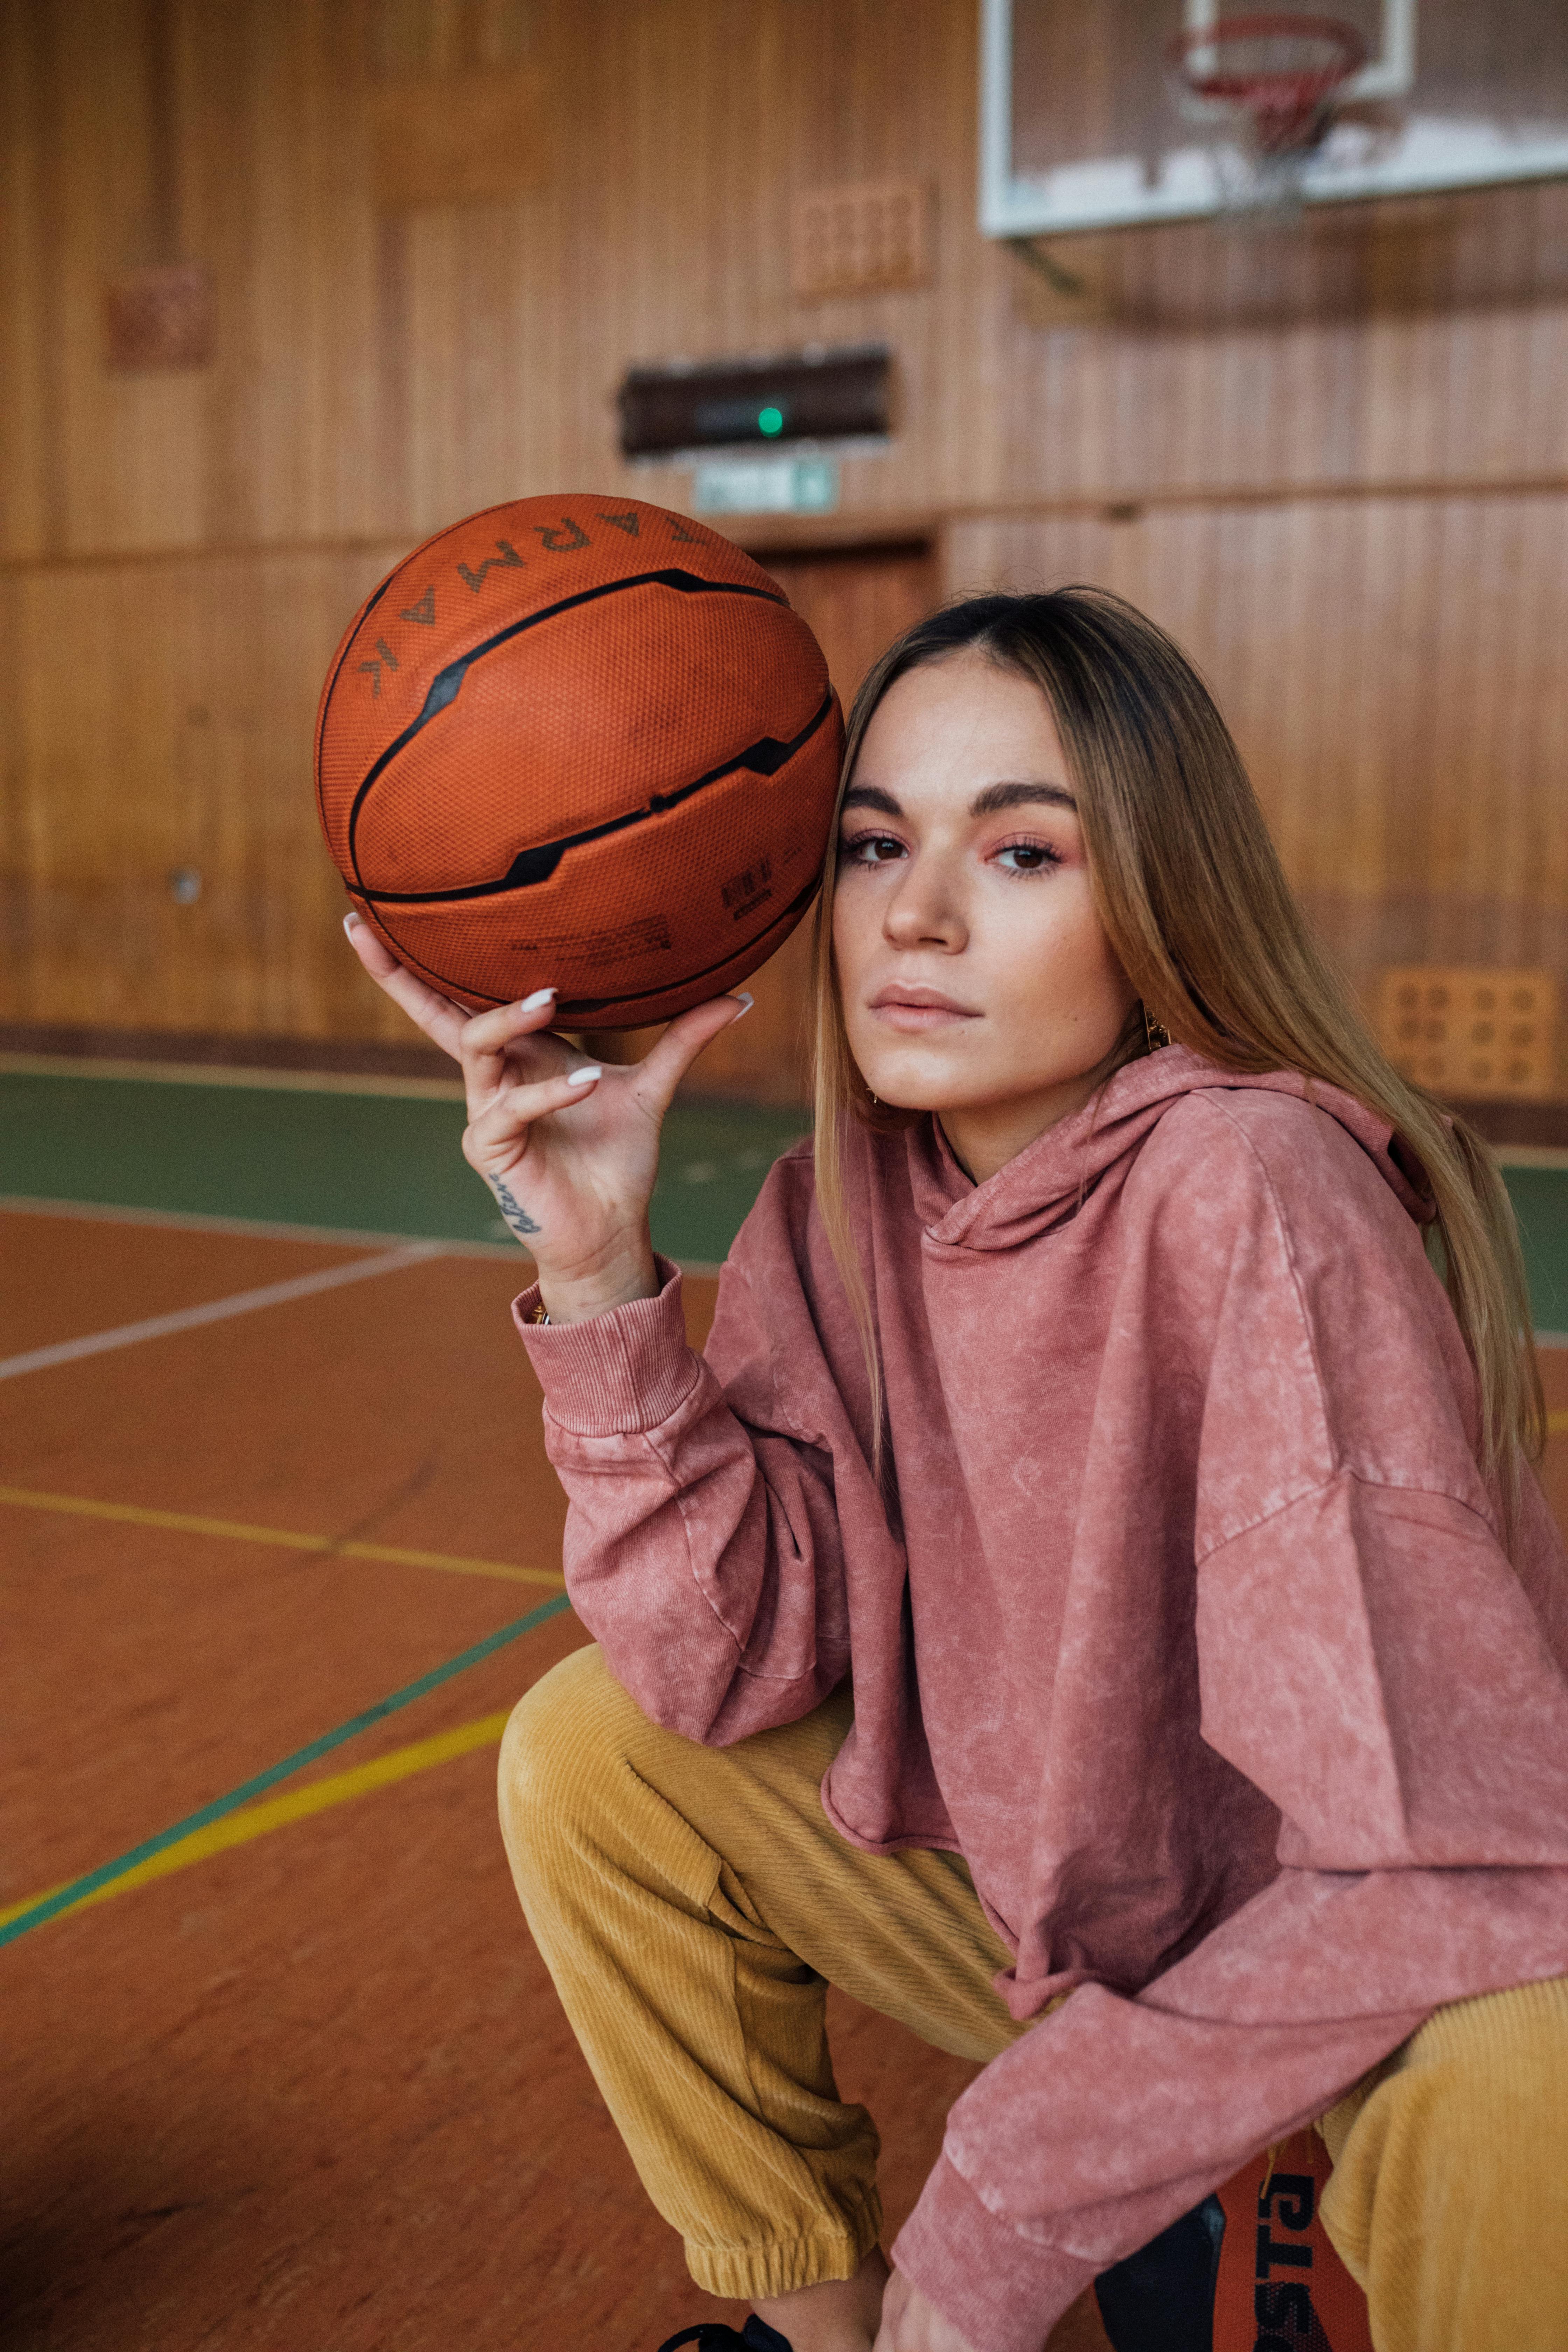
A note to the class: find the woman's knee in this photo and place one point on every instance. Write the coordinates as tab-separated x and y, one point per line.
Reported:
1503	2053
1447	2200
561	1757
586	1809
1472	2099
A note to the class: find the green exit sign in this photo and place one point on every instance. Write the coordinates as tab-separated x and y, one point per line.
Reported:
766	486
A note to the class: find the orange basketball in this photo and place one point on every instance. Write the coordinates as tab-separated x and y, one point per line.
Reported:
582	743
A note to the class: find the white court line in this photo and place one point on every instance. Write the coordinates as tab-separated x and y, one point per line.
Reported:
211	1074
263	1229
216	1310
253	1229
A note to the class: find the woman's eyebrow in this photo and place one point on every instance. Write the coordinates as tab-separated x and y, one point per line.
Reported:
871	796
997	797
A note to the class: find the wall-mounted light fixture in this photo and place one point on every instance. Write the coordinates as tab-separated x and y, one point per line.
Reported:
812	395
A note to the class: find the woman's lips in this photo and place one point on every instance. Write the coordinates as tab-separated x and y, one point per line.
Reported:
913	1016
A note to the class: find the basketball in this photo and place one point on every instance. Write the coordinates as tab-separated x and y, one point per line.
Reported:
584	744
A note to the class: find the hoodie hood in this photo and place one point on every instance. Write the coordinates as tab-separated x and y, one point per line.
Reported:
1046	1183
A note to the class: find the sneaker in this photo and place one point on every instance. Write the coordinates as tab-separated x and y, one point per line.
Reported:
717	2335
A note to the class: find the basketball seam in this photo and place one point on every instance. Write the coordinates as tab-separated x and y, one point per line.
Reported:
548	855
441	693
366	610
569	1007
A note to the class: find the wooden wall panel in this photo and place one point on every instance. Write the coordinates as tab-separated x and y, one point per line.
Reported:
166	711
1392	669
1366	422
377	375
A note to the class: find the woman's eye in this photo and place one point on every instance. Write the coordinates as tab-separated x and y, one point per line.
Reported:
1027	856
873	849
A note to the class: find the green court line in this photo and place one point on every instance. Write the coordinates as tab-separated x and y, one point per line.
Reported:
64	1897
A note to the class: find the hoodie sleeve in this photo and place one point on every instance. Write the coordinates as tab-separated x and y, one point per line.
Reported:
1372	1660
702	1545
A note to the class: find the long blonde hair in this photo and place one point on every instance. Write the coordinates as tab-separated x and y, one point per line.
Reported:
1195	903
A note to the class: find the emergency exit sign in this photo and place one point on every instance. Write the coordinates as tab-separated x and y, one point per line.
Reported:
766	486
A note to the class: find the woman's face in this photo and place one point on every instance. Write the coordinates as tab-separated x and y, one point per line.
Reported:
977	976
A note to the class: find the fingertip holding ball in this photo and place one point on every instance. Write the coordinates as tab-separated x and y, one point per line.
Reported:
582	734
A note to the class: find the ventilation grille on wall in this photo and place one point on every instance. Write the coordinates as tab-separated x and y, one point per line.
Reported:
159	318
1471	1031
460	111
473	139
853	240
407	39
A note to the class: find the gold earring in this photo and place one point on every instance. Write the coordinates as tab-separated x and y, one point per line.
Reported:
1155	1033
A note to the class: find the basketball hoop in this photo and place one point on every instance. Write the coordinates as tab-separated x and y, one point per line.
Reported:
1265	88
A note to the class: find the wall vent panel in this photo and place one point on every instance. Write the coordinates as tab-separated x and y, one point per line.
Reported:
1469	1032
858	240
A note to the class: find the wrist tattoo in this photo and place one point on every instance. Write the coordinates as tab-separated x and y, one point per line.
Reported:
512	1210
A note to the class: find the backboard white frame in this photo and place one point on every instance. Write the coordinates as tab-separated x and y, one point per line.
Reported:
1112	192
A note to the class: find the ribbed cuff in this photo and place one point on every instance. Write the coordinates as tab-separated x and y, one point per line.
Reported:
744	2273
1001	2291
617	1373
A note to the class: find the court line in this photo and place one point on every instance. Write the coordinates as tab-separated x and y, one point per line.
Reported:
262	1229
218	1310
1530	1155
229	1074
1557	1424
41	1908
189	1523
277	1813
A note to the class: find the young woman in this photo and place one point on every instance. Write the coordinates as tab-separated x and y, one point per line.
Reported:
1086	1398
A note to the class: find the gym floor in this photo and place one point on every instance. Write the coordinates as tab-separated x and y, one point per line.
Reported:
296	2079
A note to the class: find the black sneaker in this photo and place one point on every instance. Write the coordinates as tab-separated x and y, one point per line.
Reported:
717	2335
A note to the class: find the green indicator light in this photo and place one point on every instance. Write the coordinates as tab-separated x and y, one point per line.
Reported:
769	421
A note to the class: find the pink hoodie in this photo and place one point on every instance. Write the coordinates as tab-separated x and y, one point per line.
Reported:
1190	1627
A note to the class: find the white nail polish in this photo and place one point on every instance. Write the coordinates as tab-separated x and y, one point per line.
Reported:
350	924
531	1003
582	1078
745	1000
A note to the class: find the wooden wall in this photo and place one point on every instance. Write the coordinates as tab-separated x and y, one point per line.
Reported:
1392	667
1337	466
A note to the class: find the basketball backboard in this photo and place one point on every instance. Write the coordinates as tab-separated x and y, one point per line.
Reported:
1082	128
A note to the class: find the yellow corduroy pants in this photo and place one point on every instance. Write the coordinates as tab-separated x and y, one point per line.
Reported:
692	1904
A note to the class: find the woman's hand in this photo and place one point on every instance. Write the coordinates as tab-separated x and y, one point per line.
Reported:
569	1149
910	2324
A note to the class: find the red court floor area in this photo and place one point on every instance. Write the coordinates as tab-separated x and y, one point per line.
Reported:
312	2092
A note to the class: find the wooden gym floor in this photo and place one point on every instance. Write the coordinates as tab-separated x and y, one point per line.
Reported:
300	2081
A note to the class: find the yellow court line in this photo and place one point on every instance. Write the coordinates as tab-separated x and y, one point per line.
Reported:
186	1523
1557	1424
276	1813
